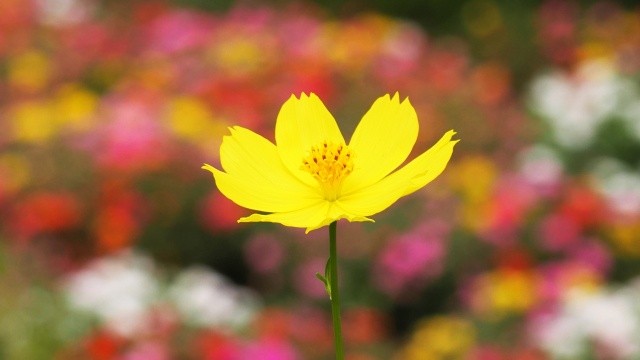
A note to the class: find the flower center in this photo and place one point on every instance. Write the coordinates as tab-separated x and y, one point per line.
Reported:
330	164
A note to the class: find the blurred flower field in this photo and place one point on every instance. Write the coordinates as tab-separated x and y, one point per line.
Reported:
114	244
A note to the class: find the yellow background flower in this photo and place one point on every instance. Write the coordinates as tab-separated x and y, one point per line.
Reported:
312	177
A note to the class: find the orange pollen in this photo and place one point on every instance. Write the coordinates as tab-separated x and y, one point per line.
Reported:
329	163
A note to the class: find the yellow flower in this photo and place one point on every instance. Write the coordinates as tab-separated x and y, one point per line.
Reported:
190	119
75	107
29	71
34	121
312	177
440	337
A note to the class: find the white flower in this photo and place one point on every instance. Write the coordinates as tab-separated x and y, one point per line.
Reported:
541	166
576	104
608	319
561	336
64	12
205	298
122	290
619	185
117	289
628	109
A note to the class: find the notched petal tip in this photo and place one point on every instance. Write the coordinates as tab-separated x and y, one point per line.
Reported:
310	96
407	102
304	97
397	99
233	132
445	139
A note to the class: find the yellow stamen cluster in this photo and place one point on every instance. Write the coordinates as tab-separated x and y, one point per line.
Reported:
329	163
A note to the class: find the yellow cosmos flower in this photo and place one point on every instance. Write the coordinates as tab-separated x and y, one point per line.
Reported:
312	178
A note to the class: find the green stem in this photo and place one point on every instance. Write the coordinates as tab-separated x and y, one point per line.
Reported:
335	296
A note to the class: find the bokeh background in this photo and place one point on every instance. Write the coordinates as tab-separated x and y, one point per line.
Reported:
114	244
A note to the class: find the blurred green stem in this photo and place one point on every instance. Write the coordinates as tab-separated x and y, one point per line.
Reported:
335	296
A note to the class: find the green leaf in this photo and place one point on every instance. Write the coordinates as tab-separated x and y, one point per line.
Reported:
326	279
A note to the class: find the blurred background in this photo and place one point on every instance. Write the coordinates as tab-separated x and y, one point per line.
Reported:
114	244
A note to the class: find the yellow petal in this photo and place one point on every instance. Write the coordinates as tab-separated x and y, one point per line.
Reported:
426	167
301	124
313	217
248	155
379	196
382	141
261	196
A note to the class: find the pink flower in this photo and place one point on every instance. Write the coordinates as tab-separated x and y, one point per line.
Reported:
264	253
132	138
510	204
179	31
408	262
218	214
299	35
558	232
593	254
400	54
147	351
270	349
306	282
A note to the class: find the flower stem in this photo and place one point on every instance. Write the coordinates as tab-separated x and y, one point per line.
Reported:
335	296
